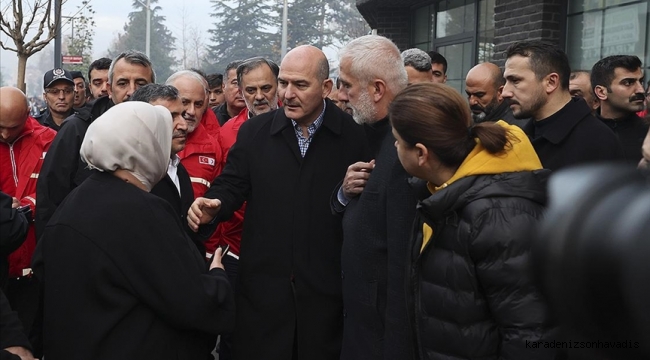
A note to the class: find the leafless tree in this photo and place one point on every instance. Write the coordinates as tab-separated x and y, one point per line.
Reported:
39	16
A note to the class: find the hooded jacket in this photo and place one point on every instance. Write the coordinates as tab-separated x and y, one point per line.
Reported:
470	292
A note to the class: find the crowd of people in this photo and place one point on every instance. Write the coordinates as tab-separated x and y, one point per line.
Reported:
378	215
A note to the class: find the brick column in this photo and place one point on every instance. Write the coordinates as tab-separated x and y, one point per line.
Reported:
519	20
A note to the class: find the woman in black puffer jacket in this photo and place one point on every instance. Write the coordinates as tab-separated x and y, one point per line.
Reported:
470	292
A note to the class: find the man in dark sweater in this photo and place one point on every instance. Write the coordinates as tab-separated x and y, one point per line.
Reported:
617	81
562	129
234	101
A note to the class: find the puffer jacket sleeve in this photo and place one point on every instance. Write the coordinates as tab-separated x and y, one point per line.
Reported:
500	250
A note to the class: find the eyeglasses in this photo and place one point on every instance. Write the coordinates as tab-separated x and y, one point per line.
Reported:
66	91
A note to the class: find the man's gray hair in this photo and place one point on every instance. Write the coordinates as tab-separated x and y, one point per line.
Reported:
417	59
252	64
233	65
374	56
153	92
189	74
132	57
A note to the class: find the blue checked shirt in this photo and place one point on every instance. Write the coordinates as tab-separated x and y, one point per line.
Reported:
303	143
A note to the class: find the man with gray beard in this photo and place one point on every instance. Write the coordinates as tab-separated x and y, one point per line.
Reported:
483	85
378	207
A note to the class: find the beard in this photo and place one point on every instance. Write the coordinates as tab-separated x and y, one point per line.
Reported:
484	111
363	111
526	111
273	105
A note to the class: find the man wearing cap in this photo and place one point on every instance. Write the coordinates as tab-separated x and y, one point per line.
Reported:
58	93
79	89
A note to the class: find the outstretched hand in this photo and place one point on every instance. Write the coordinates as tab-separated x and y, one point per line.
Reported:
202	211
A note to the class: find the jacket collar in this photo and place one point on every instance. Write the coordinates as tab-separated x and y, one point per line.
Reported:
331	120
567	118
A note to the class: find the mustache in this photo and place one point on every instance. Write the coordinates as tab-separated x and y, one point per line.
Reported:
637	97
477	108
261	102
179	133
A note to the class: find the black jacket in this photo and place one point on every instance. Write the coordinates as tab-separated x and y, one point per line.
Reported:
573	136
11	330
221	112
471	293
166	189
63	170
122	280
376	228
631	131
13	230
289	275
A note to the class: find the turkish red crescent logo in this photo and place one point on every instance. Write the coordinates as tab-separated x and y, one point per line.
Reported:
206	160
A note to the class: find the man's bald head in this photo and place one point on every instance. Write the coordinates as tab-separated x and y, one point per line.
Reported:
483	85
312	55
303	83
488	71
14	111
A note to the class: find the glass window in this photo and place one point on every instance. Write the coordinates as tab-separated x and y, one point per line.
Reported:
459	61
455	17
576	6
421	25
596	34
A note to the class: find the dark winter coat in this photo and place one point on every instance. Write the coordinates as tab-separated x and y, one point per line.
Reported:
63	170
376	230
630	131
574	137
123	281
471	293
289	280
181	203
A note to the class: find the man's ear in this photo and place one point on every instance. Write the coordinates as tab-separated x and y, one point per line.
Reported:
110	90
499	92
600	92
551	82
379	89
327	87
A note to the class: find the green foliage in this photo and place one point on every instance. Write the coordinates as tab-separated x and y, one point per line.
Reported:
134	38
247	28
242	29
80	41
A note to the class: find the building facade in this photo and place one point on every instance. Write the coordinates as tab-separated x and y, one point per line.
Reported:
468	32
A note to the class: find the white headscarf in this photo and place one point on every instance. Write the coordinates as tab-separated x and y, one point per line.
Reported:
134	136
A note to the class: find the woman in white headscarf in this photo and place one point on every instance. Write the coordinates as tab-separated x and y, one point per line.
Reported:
121	278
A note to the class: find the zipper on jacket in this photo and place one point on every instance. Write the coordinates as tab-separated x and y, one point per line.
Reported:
13	159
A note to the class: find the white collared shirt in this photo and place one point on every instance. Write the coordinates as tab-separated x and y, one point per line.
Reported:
172	170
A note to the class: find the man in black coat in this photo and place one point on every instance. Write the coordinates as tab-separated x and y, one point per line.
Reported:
562	129
618	83
378	208
63	169
285	164
176	186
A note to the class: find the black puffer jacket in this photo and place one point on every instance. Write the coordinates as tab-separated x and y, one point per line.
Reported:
471	294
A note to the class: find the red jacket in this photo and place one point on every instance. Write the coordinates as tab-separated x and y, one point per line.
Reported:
210	123
201	157
20	165
229	232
